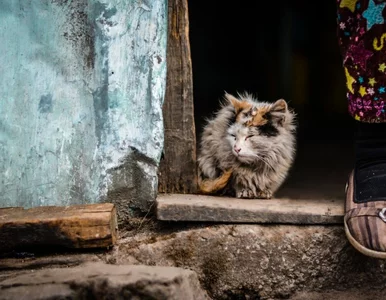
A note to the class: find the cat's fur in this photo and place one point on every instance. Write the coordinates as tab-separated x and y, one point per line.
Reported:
264	135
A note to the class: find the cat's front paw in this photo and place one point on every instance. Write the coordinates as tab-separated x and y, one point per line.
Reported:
266	194
245	193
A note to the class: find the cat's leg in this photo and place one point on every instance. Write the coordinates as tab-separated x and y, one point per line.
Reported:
264	183
265	194
245	187
244	193
270	183
248	193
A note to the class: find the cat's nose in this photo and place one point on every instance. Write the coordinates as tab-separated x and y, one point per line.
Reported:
237	149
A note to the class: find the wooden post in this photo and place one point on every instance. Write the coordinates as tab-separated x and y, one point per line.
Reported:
177	171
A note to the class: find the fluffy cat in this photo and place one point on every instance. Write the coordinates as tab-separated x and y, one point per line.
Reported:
247	149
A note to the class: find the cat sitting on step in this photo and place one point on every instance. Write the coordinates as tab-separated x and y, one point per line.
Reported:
247	148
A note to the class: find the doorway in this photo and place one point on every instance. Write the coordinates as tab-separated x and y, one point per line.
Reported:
284	49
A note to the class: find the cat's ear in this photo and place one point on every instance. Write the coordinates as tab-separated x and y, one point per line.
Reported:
239	105
279	110
280	106
232	99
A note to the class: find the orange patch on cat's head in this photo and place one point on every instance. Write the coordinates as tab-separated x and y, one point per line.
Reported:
277	110
258	116
240	106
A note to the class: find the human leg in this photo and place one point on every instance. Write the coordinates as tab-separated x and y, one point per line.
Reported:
362	34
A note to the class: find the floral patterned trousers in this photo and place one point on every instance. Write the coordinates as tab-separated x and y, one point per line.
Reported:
362	40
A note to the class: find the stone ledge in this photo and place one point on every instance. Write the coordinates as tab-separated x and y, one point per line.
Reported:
103	281
183	207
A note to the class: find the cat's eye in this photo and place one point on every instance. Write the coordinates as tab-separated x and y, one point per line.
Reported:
249	136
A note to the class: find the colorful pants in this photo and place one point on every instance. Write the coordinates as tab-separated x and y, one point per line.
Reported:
362	41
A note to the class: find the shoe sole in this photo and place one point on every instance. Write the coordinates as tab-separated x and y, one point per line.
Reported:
360	248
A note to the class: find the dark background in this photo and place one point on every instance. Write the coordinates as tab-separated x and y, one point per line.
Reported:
284	49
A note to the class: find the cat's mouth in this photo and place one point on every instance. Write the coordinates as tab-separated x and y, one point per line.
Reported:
237	154
240	156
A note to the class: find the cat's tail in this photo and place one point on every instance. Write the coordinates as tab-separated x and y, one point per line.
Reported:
210	186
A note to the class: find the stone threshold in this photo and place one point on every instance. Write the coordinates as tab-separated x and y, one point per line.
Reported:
202	208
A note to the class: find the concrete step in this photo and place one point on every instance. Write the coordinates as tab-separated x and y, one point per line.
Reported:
102	281
239	261
182	207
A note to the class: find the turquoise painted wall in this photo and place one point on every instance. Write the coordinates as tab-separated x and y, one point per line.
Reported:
82	87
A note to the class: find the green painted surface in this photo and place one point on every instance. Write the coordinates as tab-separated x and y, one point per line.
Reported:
82	86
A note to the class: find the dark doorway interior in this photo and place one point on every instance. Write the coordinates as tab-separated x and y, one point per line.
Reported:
284	49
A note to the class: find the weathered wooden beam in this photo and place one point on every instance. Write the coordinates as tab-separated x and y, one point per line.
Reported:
77	226
177	171
174	207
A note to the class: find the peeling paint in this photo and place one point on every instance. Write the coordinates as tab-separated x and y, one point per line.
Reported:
82	86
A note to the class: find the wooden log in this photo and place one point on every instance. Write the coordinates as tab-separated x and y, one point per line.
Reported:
177	171
173	207
77	226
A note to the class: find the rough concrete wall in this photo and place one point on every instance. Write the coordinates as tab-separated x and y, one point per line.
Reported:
81	92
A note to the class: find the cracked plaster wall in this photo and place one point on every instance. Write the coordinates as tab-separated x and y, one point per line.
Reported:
82	87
